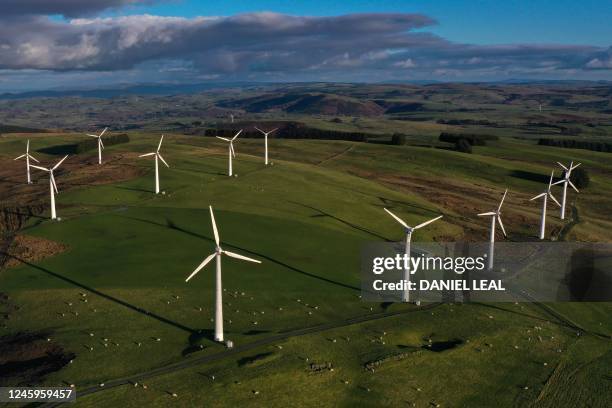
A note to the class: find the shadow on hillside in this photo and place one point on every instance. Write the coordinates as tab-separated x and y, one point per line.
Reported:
106	296
171	225
530	176
59	150
322	213
140	190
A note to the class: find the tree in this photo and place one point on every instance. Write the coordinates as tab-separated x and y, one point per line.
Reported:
580	178
463	146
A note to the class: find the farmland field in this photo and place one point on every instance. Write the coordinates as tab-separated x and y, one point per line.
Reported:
109	301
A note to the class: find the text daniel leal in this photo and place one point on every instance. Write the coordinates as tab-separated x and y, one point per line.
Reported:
442	284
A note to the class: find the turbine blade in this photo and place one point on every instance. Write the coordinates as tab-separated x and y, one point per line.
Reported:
96	136
19	157
162	159
160	142
237	134
147	154
54	183
232	149
38	167
103	132
28	146
223	138
572	184
428	222
564	168
558	182
573	167
238	256
202	265
33	158
552	174
487	213
101	144
502	200
273	130
501	224
214	225
260	130
538	196
398	219
554	199
60	162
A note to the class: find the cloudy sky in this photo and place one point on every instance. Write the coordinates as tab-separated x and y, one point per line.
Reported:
86	43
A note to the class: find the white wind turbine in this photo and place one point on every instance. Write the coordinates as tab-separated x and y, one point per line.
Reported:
218	287
27	156
409	231
266	140
232	153
547	193
157	156
495	217
565	181
100	144
52	185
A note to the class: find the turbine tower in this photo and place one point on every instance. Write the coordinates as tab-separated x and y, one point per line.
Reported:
218	287
495	217
547	193
266	140
27	156
409	231
565	181
232	153
157	156
52	185
100	144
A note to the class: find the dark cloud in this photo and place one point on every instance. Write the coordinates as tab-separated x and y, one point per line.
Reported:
258	45
68	8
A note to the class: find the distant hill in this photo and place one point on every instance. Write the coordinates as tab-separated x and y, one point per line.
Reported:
19	129
308	103
143	89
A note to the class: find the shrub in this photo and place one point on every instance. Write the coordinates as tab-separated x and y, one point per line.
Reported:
463	146
398	139
580	178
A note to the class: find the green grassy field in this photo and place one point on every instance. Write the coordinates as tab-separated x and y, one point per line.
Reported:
306	218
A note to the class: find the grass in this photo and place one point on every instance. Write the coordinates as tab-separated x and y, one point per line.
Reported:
305	217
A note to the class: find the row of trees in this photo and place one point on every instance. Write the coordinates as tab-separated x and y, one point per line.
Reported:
294	130
91	144
578	144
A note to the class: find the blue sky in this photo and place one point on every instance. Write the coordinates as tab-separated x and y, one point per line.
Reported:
68	43
476	21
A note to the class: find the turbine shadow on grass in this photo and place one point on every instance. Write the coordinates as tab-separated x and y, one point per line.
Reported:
531	176
171	225
106	296
140	190
340	220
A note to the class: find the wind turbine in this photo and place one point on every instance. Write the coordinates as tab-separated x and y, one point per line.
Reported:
565	181
157	156
409	231
547	193
27	156
495	217
232	153
100	144
52	185
218	288
266	140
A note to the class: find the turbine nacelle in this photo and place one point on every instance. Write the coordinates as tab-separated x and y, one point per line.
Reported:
496	214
